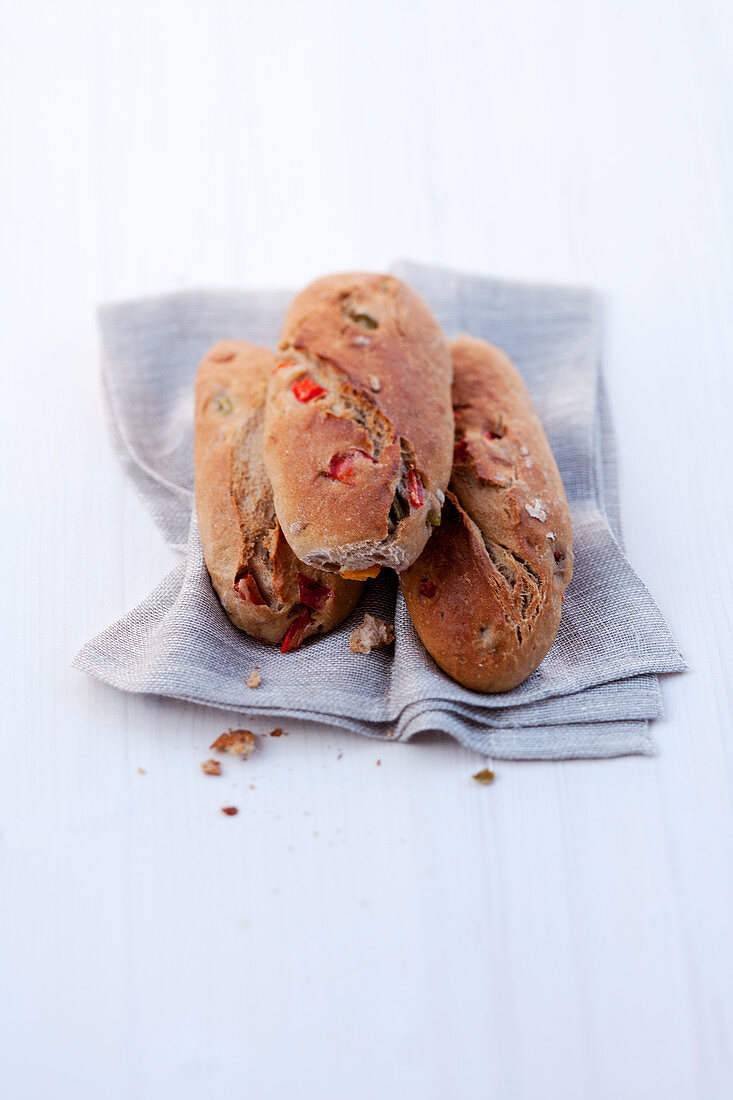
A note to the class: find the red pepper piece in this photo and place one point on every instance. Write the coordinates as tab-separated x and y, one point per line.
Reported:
558	556
284	363
341	466
313	594
305	389
493	435
460	452
246	588
414	488
428	589
296	632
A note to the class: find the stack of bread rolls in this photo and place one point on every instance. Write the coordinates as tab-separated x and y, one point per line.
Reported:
367	441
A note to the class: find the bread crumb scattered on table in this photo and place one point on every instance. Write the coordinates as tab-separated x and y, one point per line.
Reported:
236	742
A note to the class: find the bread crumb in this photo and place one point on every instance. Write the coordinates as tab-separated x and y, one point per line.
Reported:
390	733
230	811
211	767
236	742
378	762
485	776
254	679
278	733
372	634
374	383
536	510
141	771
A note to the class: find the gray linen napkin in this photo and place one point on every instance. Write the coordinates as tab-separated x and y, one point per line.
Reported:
594	694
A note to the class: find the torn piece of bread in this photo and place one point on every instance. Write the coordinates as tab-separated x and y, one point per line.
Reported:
372	634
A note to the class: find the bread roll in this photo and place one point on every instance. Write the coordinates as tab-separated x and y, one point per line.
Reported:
263	588
485	595
359	426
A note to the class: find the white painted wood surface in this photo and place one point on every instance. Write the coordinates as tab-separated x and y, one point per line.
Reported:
357	930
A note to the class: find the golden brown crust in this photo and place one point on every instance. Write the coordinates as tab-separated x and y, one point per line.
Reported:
486	593
369	420
263	588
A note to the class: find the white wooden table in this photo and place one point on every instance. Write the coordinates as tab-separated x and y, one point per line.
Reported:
359	931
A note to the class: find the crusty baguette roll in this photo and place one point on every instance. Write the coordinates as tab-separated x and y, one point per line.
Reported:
263	588
486	593
359	425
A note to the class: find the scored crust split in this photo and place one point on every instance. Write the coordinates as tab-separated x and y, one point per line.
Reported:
485	595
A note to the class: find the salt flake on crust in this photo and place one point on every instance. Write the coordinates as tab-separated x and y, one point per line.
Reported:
536	510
